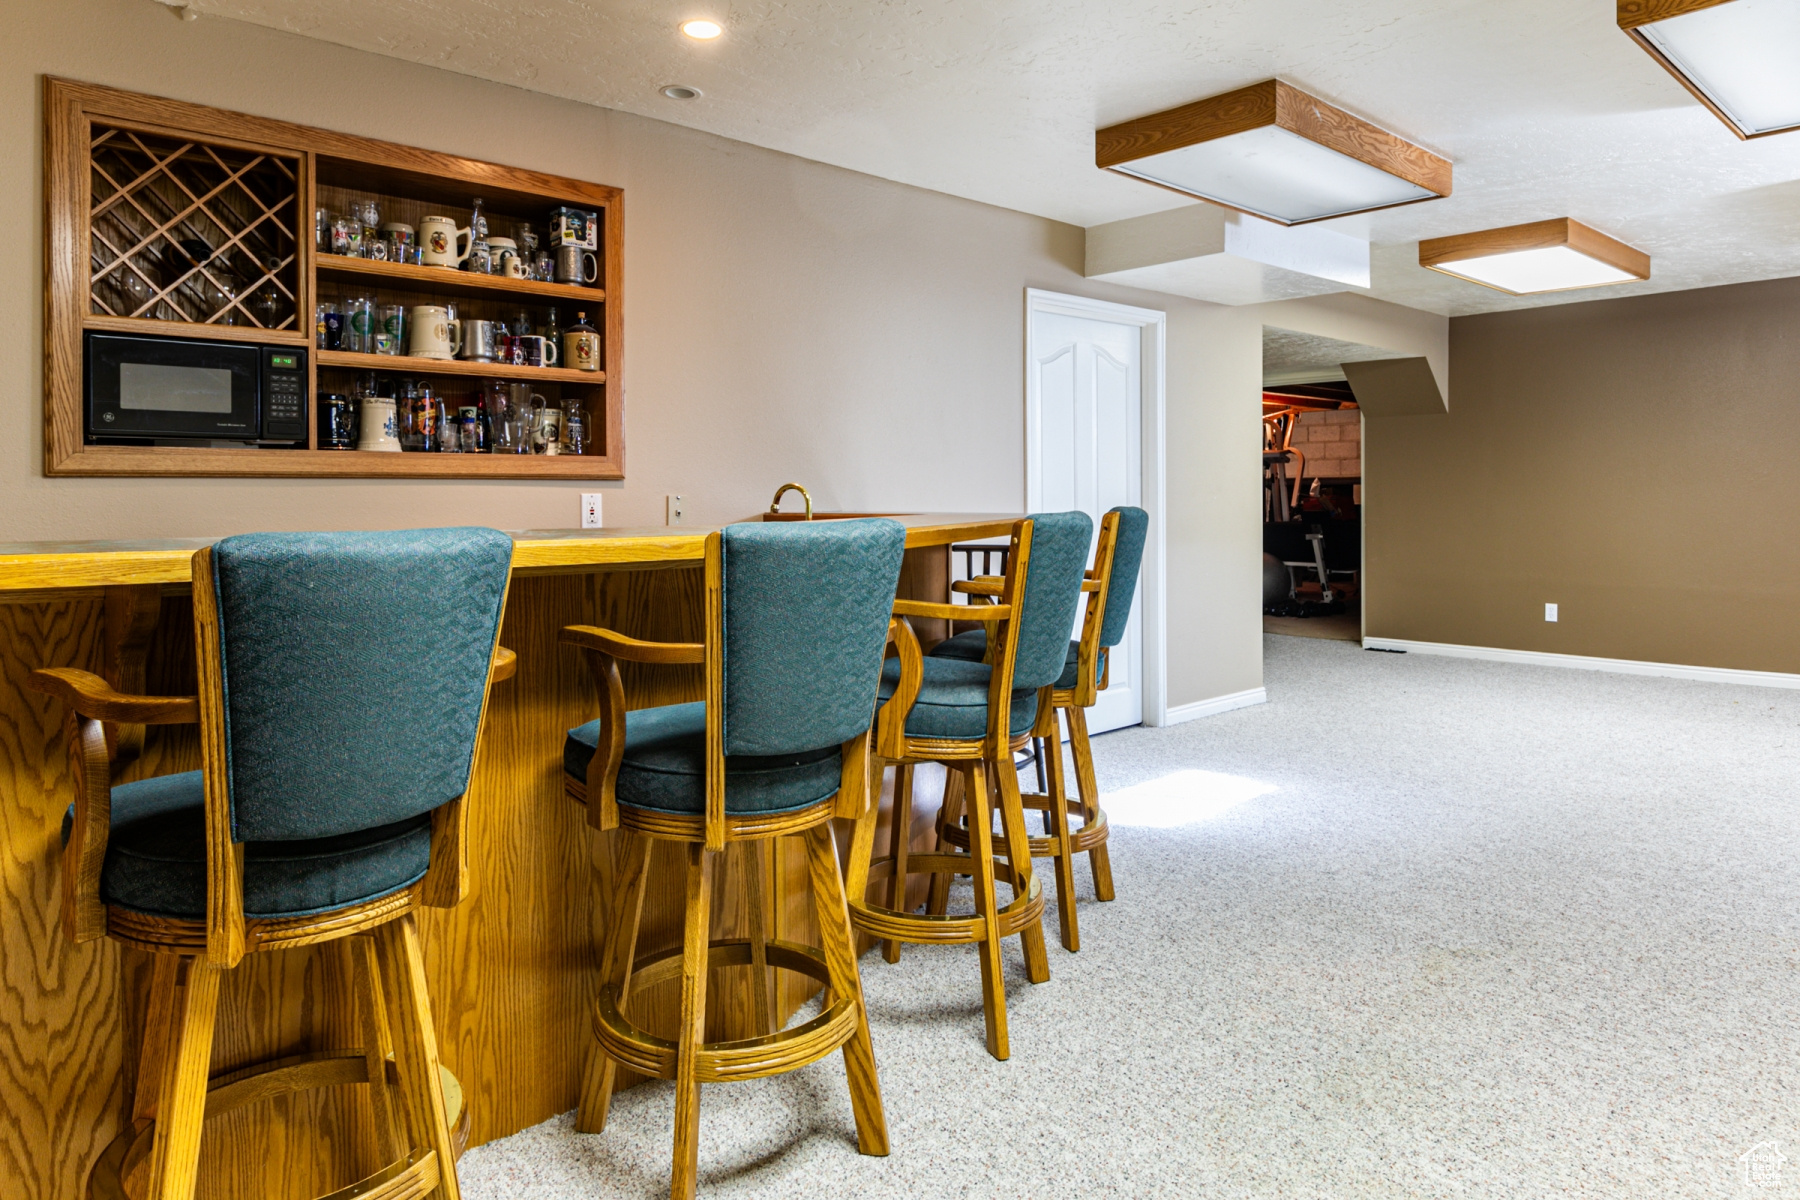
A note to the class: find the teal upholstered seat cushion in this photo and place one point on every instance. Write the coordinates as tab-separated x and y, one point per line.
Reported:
972	647
156	858
664	766
953	698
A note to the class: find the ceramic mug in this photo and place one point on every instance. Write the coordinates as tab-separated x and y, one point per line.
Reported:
432	333
441	243
378	425
546	431
537	351
500	252
581	350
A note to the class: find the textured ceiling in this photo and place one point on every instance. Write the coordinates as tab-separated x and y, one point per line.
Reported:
1545	107
1293	357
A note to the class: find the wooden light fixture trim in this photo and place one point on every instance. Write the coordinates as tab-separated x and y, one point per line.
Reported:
1635	14
1284	106
1439	254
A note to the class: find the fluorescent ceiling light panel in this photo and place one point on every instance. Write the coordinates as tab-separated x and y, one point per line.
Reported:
1274	152
1740	58
1544	256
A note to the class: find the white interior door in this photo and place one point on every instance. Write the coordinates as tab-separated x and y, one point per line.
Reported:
1084	450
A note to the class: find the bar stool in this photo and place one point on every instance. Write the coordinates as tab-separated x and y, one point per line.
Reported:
302	826
971	716
1109	586
796	619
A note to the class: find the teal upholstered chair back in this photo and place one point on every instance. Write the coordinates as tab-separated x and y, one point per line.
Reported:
1053	574
806	609
354	668
1128	558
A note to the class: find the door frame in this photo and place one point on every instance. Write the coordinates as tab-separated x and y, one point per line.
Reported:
1152	327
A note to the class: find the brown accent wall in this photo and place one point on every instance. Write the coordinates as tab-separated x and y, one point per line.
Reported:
1633	461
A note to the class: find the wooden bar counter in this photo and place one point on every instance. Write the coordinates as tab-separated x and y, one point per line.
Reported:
510	970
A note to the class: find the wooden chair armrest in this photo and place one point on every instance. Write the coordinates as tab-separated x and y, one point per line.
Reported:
91	696
890	734
591	637
981	585
506	665
952	612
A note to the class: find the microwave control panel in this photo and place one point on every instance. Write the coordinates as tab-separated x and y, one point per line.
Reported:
283	395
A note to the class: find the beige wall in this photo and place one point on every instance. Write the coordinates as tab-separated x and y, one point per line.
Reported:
1629	460
784	320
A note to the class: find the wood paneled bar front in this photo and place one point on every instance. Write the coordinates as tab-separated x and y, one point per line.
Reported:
510	970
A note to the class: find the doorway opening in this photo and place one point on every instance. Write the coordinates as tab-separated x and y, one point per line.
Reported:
1312	486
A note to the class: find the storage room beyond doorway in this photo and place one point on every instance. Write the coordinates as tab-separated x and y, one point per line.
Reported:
1312	486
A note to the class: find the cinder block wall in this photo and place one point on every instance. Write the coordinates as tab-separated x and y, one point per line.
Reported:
1332	443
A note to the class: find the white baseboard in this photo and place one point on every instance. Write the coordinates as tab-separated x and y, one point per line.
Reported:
1218	704
1583	662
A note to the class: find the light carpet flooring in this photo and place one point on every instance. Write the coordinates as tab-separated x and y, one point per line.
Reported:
1417	927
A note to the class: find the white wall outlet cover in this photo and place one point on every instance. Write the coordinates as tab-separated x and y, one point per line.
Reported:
590	510
675	514
1549	612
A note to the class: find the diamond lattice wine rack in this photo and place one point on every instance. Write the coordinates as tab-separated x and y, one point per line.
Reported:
180	230
168	219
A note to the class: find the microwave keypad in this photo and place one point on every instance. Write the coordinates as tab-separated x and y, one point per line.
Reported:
284	398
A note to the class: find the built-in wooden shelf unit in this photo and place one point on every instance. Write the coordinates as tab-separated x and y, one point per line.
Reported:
129	178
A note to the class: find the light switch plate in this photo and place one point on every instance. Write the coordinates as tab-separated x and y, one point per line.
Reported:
590	510
675	515
1549	612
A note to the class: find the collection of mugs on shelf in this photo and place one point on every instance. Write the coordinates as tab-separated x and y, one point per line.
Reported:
361	325
571	255
389	414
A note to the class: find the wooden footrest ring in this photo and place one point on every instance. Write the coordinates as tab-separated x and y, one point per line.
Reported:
1081	840
409	1178
927	929
745	1058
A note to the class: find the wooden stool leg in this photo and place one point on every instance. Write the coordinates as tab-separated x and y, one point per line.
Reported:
181	1096
1058	818
378	1043
1018	856
839	944
153	1053
415	1046
987	907
1089	787
898	846
862	842
691	1035
949	813
602	1071
756	910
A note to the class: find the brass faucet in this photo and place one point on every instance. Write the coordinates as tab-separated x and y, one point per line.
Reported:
784	489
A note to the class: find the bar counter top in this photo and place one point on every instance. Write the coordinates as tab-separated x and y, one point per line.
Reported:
41	567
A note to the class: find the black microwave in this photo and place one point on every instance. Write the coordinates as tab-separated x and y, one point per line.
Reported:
142	390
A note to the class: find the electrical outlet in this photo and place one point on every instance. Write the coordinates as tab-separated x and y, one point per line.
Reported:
1549	612
676	515
590	510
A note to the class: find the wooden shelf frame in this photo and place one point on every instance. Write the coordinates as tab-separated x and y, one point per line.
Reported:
71	108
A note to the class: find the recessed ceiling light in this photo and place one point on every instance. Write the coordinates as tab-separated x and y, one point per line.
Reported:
1544	256
1274	152
703	31
1736	56
679	91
